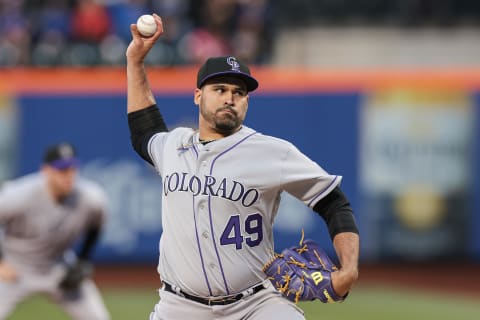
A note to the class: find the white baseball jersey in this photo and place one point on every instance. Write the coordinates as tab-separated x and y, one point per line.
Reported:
219	203
37	230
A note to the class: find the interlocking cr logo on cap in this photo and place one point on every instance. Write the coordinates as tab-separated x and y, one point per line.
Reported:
233	62
65	151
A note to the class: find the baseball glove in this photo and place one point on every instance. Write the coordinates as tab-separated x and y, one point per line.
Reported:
303	273
75	274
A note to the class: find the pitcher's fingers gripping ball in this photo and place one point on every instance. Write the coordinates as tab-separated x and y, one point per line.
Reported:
303	273
146	25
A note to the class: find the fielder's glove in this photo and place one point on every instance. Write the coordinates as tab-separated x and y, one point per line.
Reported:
303	273
75	274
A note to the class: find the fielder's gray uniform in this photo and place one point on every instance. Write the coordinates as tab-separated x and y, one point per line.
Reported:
37	233
219	204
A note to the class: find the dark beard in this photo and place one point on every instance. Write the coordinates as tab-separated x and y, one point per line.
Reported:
226	128
228	125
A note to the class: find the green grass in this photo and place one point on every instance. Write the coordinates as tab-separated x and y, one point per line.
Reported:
383	303
365	303
122	304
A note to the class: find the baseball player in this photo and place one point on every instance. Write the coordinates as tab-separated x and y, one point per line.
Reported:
221	191
41	215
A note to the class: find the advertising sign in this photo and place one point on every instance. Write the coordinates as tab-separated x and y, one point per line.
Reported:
415	168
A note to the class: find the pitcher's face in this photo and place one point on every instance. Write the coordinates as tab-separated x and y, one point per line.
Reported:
223	103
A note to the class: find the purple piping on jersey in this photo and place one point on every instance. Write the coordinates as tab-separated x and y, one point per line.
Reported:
323	191
210	210
199	247
195	151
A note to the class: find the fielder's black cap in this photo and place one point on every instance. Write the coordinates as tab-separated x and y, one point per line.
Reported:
61	156
226	66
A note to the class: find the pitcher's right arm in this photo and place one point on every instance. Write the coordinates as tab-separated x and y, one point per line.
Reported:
144	118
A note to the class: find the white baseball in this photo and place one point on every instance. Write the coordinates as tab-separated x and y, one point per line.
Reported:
146	25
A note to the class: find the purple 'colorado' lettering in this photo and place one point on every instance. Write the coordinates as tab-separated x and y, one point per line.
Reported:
246	195
199	185
209	182
209	185
222	187
182	186
176	180
232	192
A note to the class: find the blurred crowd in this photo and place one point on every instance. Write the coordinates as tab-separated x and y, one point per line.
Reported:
97	32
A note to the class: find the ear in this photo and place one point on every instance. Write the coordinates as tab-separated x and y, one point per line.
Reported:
197	94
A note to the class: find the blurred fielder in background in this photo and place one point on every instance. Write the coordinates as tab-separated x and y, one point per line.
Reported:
42	215
221	191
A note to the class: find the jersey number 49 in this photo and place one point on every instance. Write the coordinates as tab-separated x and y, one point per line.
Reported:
252	232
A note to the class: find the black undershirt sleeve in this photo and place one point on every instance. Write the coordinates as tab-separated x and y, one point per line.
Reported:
143	124
91	238
337	213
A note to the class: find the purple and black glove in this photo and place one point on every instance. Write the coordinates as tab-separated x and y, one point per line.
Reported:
303	273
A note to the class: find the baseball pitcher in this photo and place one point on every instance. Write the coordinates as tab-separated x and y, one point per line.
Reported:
221	190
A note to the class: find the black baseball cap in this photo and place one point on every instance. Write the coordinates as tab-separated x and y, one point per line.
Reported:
226	66
61	156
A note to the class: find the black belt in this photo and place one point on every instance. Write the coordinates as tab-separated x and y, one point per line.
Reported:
215	301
